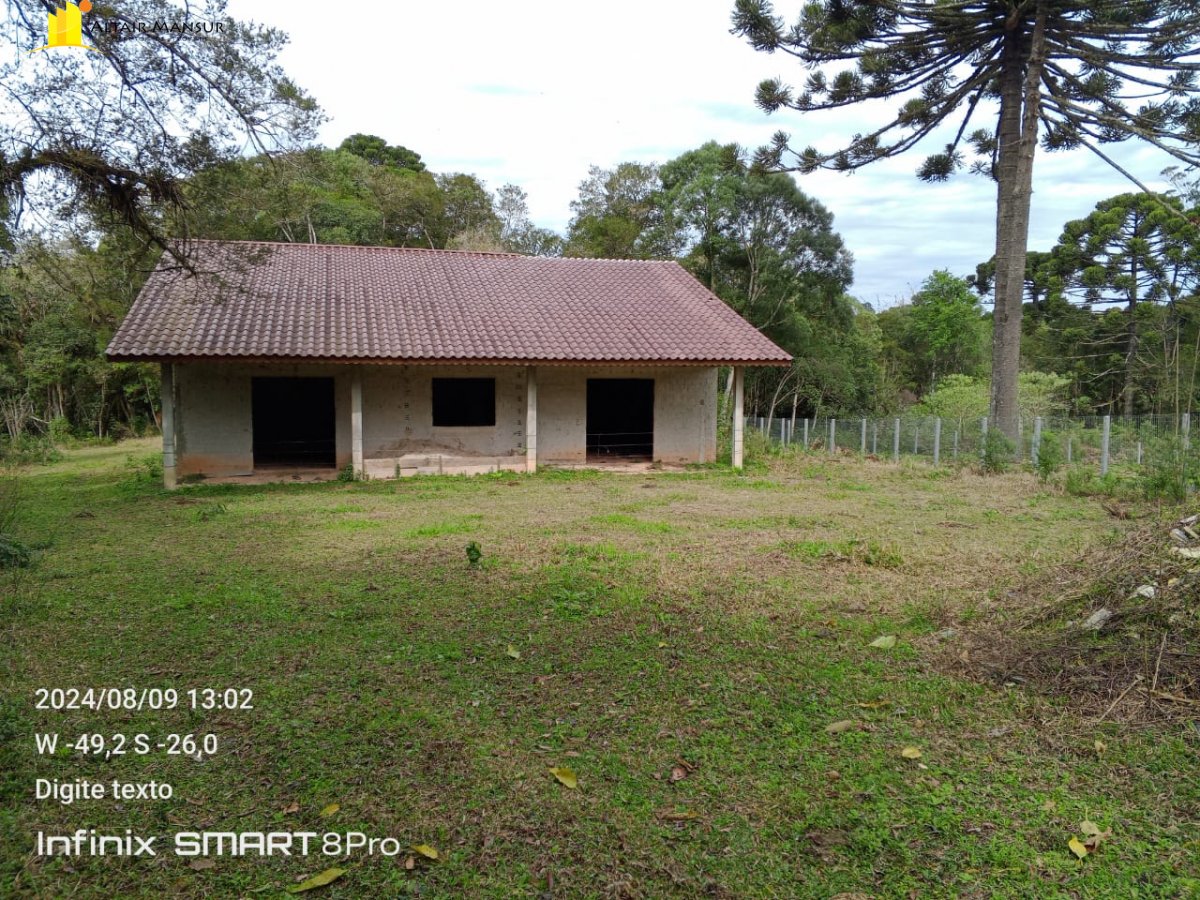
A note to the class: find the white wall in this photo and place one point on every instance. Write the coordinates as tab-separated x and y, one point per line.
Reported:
685	411
214	430
398	412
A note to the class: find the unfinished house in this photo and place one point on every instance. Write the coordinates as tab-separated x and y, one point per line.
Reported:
286	359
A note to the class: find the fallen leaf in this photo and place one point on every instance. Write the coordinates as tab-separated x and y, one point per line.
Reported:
884	642
911	753
1077	847
1096	840
426	851
319	880
678	773
839	727
565	776
199	865
513	652
1089	828
330	810
1101	746
410	863
292	807
661	644
875	704
681	816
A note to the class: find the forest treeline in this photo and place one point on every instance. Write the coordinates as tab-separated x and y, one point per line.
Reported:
1112	320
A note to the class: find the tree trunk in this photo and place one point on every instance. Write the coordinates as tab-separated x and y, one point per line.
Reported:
1131	348
1020	105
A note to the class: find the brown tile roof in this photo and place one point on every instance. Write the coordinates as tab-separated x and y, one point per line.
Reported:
286	301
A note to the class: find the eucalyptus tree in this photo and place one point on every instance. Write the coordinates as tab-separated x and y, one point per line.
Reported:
991	78
518	234
618	214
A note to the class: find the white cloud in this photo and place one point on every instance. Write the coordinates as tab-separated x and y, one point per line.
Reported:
535	91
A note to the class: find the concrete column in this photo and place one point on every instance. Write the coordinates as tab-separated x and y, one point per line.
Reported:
937	440
530	419
739	412
356	424
167	379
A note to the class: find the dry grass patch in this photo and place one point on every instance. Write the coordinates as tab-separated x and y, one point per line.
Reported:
1116	631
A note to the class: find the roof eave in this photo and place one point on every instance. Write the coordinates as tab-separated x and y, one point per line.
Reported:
430	361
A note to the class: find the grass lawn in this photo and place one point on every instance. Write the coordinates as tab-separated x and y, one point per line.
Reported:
680	641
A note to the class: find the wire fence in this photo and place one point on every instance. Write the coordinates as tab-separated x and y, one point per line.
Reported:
1100	441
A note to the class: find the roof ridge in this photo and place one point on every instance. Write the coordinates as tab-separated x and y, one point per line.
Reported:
436	250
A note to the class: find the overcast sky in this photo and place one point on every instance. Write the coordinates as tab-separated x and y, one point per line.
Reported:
533	92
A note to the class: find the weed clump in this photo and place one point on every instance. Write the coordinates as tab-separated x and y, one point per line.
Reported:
474	554
14	553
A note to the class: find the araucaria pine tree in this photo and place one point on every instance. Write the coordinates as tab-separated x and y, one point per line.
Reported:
994	77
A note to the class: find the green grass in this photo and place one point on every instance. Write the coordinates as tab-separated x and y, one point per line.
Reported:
726	631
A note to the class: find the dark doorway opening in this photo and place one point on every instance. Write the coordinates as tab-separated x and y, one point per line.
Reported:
293	420
620	418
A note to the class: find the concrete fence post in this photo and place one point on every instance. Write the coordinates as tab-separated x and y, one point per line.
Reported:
1105	435
916	437
1070	443
937	440
833	435
874	438
1187	431
1036	448
863	444
956	445
1139	462
896	441
983	423
806	434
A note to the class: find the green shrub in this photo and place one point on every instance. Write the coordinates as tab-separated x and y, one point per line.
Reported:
29	449
997	452
1050	455
1086	481
1169	474
14	554
346	473
148	467
60	429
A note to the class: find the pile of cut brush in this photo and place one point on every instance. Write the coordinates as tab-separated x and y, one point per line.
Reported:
1118	630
